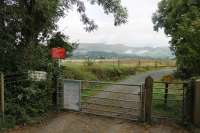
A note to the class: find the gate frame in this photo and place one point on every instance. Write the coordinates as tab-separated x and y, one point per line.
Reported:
141	93
2	87
79	82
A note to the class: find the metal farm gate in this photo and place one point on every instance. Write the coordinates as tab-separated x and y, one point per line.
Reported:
140	102
117	100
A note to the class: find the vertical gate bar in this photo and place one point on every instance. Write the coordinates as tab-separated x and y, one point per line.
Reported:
2	96
80	91
183	104
196	103
142	102
57	94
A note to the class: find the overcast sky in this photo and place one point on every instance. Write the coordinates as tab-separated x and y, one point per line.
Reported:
137	32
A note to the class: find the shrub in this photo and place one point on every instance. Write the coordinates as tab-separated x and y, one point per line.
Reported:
25	100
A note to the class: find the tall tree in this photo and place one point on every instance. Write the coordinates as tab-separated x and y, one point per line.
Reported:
181	22
30	22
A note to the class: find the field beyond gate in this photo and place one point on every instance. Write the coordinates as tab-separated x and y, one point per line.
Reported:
169	100
105	98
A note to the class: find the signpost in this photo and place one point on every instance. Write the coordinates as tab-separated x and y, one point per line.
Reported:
58	54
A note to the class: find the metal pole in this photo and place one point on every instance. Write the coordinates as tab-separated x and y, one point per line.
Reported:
59	63
183	108
57	87
57	94
142	103
2	96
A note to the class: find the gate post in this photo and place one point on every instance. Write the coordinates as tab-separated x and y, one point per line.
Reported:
196	108
148	98
2	95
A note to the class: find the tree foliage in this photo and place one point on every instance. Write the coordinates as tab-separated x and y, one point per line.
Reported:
180	20
60	40
24	23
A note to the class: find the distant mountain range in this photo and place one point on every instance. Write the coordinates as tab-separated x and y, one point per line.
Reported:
100	50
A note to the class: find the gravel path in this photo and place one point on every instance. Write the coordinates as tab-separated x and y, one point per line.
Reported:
81	123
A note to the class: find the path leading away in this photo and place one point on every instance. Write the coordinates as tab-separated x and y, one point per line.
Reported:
71	122
122	101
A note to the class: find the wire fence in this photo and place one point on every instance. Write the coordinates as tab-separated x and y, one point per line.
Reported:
26	97
168	100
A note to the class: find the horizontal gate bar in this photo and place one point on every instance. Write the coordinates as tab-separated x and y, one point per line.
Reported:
160	82
168	89
129	118
102	82
111	99
167	100
166	117
111	106
114	92
163	115
168	94
108	111
111	83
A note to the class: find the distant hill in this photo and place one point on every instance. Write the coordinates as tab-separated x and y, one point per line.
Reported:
100	50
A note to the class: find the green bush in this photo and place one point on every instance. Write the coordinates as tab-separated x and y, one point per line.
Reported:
26	100
9	122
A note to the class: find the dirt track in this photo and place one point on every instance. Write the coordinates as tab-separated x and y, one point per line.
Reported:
82	123
69	122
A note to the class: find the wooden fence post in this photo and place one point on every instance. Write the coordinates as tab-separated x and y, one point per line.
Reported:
2	95
196	109
166	94
148	98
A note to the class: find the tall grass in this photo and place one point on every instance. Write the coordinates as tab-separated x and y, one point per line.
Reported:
97	72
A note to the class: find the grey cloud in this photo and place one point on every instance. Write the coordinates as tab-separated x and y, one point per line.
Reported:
137	32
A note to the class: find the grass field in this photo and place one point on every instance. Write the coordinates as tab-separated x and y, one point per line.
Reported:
110	70
173	108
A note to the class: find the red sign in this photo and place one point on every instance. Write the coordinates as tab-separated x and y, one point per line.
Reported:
58	53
